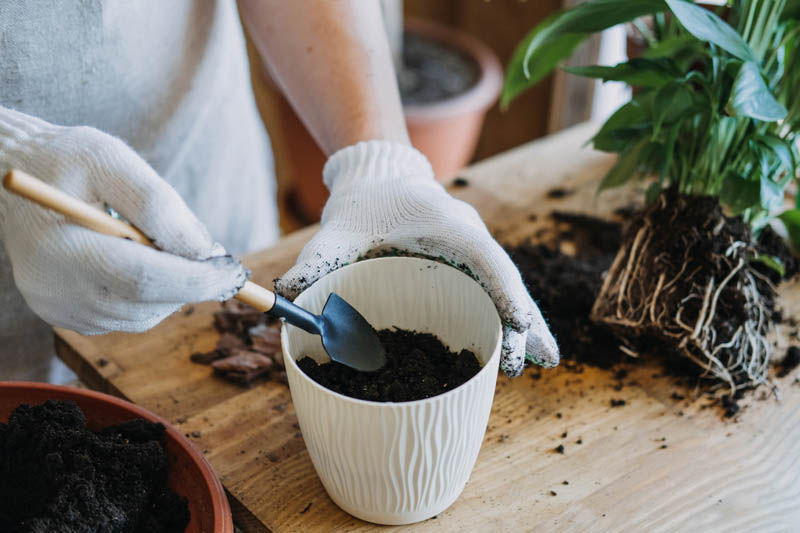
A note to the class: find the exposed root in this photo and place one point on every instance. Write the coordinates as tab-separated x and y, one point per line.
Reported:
699	293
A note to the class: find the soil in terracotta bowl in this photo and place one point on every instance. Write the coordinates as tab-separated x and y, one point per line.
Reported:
57	475
418	366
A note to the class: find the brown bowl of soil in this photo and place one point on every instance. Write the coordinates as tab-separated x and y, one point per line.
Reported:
189	477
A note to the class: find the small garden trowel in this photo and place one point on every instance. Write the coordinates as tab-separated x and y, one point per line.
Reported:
346	335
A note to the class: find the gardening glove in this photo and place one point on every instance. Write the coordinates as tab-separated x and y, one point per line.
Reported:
76	278
384	198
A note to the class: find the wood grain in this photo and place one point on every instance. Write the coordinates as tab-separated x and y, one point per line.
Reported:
713	475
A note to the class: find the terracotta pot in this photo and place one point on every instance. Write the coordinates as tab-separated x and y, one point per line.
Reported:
190	475
446	131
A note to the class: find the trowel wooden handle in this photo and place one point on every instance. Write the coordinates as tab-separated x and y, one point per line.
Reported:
95	219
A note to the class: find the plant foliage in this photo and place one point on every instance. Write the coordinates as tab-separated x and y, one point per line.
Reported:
714	111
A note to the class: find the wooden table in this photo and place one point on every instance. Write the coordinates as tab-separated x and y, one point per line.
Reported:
655	464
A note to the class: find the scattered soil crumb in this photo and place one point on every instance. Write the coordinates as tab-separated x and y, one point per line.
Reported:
460	182
617	403
559	449
553	493
564	435
306	508
789	362
730	405
102	362
663	447
559	192
565	482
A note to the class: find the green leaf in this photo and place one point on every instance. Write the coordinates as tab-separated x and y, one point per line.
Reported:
557	36
624	169
707	26
673	47
771	194
779	149
548	56
791	219
772	262
627	122
752	98
672	102
636	72
739	194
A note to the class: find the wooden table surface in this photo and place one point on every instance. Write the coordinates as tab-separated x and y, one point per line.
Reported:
615	473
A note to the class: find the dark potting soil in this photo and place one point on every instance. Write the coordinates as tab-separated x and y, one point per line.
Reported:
433	71
418	366
565	286
789	362
56	475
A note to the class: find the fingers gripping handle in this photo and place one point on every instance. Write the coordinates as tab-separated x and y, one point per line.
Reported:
95	219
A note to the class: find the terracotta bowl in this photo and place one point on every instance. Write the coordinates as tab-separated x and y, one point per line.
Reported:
190	475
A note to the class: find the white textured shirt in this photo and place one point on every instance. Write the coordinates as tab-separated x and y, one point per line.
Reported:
171	78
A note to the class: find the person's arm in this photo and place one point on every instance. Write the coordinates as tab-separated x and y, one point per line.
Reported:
333	63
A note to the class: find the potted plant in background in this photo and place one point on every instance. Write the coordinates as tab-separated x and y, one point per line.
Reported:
714	126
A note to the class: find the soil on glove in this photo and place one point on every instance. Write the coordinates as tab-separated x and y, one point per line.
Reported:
418	366
56	475
433	71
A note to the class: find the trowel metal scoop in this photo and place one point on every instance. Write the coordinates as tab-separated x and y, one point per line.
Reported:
346	335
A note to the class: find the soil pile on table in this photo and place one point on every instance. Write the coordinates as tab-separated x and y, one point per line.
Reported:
418	366
249	347
56	475
565	286
433	71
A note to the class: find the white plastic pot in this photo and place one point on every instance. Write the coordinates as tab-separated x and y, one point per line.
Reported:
398	463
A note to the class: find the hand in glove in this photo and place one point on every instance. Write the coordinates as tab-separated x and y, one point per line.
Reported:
75	278
384	196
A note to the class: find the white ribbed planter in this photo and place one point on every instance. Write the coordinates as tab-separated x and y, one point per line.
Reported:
398	463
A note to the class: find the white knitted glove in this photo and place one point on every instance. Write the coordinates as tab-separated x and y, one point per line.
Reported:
76	278
384	198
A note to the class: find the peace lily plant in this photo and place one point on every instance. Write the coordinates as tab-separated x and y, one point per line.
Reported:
713	119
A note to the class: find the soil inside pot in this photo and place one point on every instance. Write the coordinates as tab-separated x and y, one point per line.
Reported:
434	71
57	475
418	366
